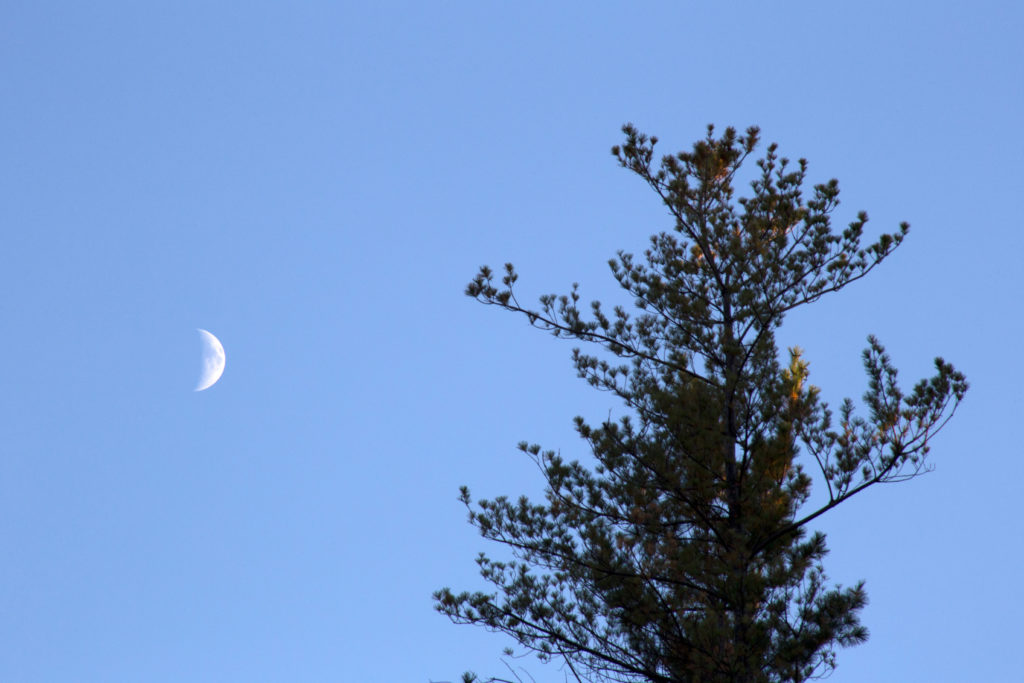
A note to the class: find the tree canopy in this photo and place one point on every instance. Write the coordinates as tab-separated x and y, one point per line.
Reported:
683	552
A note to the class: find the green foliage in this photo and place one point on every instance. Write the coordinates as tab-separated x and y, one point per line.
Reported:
683	554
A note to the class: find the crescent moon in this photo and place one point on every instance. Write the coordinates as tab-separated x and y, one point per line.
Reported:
213	361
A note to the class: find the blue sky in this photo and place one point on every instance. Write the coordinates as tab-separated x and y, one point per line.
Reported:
316	182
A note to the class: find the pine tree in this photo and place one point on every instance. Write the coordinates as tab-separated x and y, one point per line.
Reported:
683	553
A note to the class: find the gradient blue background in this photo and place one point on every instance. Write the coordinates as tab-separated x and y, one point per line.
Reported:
316	182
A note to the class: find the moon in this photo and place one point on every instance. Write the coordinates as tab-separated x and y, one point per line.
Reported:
213	360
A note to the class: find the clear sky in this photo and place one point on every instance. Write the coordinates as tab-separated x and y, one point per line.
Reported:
316	182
